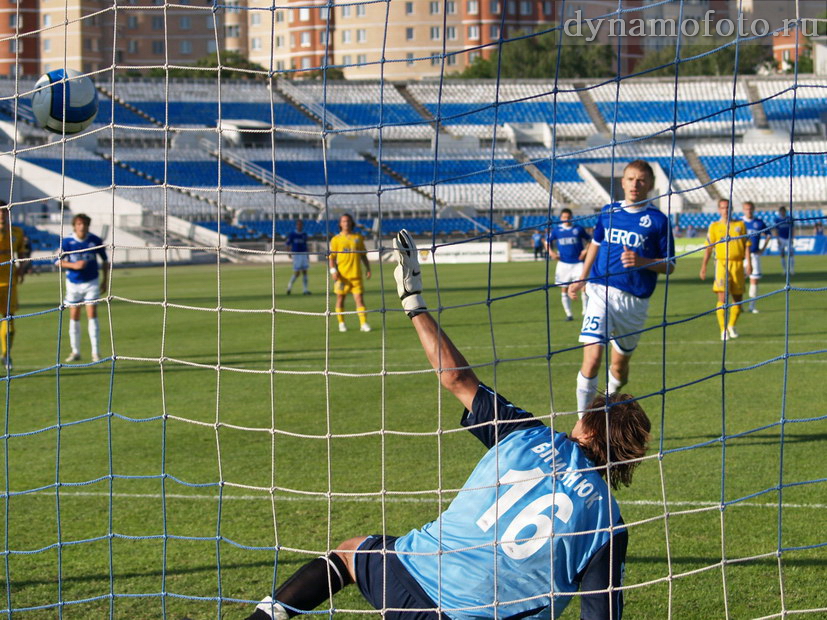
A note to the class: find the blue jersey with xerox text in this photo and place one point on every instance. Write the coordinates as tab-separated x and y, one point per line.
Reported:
529	520
569	241
784	226
646	231
756	228
297	241
86	249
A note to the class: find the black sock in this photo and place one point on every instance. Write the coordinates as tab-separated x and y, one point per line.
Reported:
313	584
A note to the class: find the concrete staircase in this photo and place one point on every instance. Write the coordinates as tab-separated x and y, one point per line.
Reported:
700	170
757	107
591	108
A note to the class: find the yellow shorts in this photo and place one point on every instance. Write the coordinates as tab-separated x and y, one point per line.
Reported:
8	304
344	285
732	270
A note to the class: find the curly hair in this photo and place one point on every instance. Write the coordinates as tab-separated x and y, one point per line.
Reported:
619	447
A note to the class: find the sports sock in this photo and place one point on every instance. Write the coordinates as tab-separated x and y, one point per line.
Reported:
586	389
792	265
304	281
734	313
363	318
339	316
292	281
74	335
309	587
94	335
5	337
564	299
721	314
614	383
753	293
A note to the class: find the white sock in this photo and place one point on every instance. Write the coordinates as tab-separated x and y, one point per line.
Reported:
586	389
273	609
74	335
292	280
94	335
753	293
304	281
614	383
564	299
792	264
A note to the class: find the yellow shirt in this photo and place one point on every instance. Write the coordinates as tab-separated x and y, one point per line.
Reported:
12	245
348	251
735	248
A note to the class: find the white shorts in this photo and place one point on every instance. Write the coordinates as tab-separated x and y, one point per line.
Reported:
301	262
784	245
566	273
613	315
755	263
86	292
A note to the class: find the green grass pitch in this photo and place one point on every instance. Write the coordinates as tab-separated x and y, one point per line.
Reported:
140	444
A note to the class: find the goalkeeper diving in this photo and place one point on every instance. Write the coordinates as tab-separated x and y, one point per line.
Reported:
534	523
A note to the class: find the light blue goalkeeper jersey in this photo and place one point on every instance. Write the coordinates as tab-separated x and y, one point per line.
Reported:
547	516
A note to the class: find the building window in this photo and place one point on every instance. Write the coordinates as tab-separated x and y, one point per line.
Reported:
305	39
525	7
132	46
232	31
360	10
547	8
494	7
323	37
157	47
433	7
255	18
434	33
494	31
279	65
279	41
47	45
323	13
186	47
185	23
47	20
451	33
304	15
157	22
209	22
435	60
255	43
474	33
409	34
361	35
409	8
346	11
473	56
409	58
346	59
211	46
361	59
512	7
451	7
279	17
473	7
451	60
13	20
346	36
306	63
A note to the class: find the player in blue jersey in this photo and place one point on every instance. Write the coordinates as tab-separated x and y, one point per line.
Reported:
567	245
84	282
632	243
783	231
534	522
297	245
537	241
759	237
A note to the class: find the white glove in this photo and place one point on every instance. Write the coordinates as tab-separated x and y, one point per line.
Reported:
407	274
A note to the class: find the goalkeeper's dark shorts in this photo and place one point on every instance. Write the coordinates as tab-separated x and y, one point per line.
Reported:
387	584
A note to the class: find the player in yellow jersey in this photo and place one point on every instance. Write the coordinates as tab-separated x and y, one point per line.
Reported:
730	242
347	255
13	246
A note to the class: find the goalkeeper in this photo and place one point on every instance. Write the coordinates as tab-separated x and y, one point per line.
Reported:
534	522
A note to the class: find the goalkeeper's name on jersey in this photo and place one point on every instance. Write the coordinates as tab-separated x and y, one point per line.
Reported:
568	477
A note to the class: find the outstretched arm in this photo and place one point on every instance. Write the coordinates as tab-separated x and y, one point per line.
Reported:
445	358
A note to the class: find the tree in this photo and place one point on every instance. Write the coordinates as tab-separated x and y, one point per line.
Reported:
540	55
230	63
706	56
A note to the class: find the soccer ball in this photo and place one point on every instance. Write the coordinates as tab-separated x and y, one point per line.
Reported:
81	101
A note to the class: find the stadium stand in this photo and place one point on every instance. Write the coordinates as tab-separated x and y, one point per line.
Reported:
704	107
475	108
782	100
763	171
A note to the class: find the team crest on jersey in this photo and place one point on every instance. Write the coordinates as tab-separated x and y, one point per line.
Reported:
645	221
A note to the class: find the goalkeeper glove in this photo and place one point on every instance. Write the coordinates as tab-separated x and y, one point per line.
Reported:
407	274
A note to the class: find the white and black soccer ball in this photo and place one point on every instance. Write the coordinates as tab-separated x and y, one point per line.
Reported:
64	95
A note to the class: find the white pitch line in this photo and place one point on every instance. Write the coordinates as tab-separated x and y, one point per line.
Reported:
395	500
